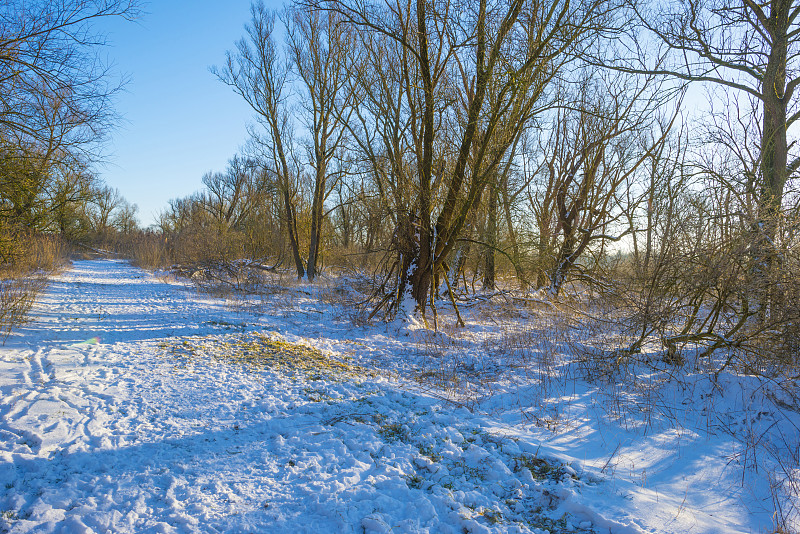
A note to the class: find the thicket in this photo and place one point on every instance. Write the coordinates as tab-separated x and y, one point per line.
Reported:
438	154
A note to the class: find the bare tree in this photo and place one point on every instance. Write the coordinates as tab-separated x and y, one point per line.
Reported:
69	195
125	219
739	45
230	195
321	52
107	199
54	90
255	72
589	165
489	268
478	69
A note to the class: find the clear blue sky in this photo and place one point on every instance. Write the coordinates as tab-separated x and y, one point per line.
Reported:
179	121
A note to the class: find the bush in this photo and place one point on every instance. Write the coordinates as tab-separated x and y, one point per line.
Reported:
148	251
26	259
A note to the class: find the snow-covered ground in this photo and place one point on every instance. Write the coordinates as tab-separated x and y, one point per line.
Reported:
131	403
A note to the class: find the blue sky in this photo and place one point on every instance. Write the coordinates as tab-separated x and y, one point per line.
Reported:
179	121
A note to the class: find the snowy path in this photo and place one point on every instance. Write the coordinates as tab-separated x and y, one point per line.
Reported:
145	431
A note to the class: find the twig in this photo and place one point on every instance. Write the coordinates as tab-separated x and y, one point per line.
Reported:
453	300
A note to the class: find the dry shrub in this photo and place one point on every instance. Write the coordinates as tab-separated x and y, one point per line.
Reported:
16	298
352	259
347	304
198	244
149	251
709	291
45	253
25	261
226	279
23	251
351	294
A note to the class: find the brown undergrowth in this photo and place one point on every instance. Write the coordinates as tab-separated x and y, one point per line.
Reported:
26	261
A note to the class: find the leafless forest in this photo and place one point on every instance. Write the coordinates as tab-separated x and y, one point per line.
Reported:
633	157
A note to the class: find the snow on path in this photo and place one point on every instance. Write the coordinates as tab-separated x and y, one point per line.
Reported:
145	432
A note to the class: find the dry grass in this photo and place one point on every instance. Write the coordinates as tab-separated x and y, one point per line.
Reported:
348	304
257	351
27	260
149	251
16	298
524	343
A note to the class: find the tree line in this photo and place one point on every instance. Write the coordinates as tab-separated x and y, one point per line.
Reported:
55	110
544	143
452	147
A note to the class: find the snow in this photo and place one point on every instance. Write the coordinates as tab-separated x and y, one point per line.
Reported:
131	403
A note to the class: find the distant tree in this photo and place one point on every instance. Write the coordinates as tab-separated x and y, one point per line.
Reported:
55	105
125	217
230	195
106	201
69	196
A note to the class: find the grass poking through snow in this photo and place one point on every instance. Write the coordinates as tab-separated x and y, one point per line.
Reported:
260	351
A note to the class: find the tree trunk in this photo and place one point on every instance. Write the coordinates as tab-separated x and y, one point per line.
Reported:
291	227
512	236
571	250
291	217
491	241
774	156
317	207
421	276
347	227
